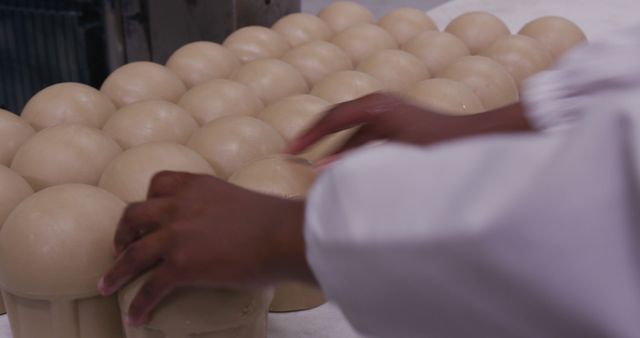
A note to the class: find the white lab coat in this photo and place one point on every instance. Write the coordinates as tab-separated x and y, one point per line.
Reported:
527	235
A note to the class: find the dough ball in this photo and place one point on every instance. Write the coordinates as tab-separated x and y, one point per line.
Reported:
14	131
293	115
68	103
256	42
445	96
406	23
14	190
520	55
58	242
278	175
140	81
201	61
150	121
272	79
478	30
65	154
128	176
341	15
488	79
328	145
397	70
557	34
232	142
364	40
317	59
437	49
346	86
202	312
299	28
218	98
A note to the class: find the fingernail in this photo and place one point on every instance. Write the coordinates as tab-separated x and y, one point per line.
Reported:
102	287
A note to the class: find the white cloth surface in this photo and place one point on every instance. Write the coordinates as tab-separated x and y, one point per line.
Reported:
527	235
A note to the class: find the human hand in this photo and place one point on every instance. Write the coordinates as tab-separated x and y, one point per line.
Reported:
387	117
197	230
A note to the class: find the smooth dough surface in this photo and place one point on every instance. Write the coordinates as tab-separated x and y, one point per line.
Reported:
346	86
142	80
341	15
150	121
256	42
194	312
293	115
201	61
14	190
58	242
489	80
218	98
65	154
14	131
478	30
299	28
68	103
364	40
128	176
557	34
396	69
521	56
232	142
446	96
437	50
317	59
406	23
272	79
327	145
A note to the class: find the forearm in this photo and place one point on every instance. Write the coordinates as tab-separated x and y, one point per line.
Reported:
511	118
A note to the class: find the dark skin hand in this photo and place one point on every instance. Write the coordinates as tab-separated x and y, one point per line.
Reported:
197	230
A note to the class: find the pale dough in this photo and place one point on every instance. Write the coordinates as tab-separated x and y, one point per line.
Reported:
406	23
557	34
437	50
299	28
341	15
272	79
346	86
397	70
478	30
293	115
317	59
14	131
201	61
363	40
445	96
256	42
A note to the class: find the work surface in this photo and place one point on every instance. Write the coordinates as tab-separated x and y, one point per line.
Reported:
597	18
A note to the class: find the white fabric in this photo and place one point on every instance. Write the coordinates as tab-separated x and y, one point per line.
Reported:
531	235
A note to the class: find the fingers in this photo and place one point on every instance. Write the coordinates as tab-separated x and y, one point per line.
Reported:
136	259
140	219
168	183
159	285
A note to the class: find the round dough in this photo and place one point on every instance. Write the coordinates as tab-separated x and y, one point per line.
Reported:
406	23
14	131
256	42
478	30
445	96
346	86
557	34
520	55
140	81
397	70
272	79
201	61
218	98
437	49
58	242
14	190
150	121
488	79
299	28
202	312
364	40
128	176
317	59
68	103
293	115
328	145
232	142
278	175
341	15
65	154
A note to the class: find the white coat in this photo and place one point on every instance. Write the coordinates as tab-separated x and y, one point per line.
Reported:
520	235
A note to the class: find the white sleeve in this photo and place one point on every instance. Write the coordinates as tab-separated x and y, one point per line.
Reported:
555	99
500	236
